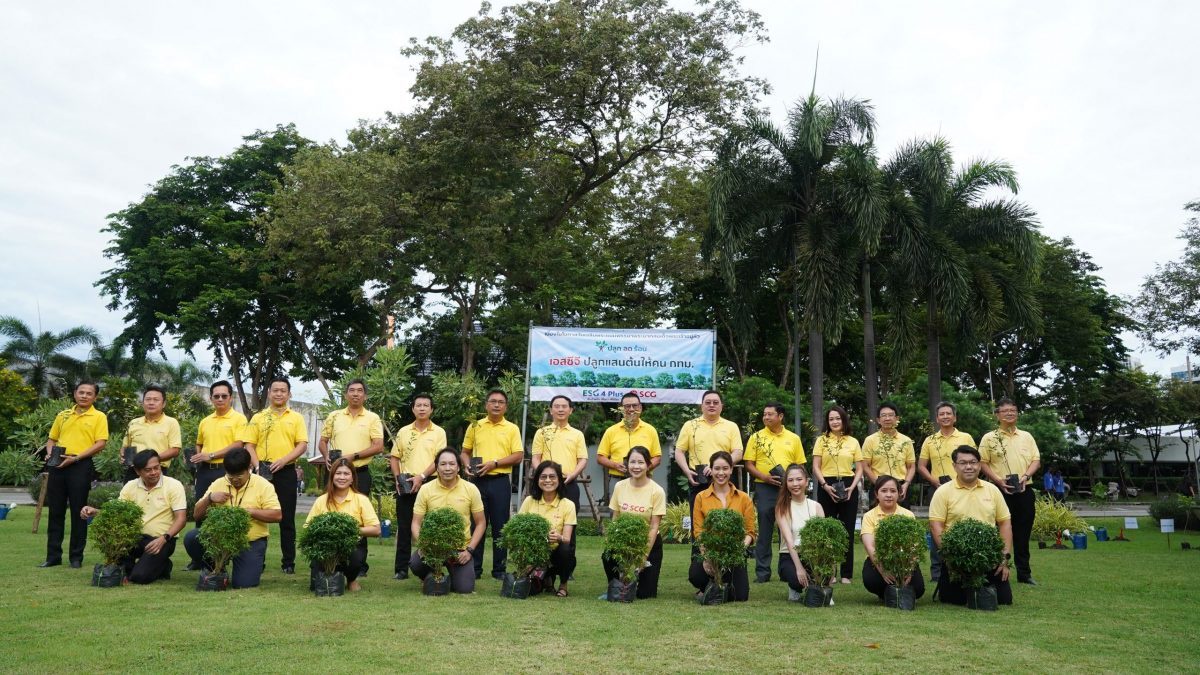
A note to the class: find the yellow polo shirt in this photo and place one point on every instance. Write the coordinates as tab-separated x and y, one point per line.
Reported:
357	506
563	445
464	497
77	431
889	459
617	441
274	436
644	502
1013	455
938	449
491	441
416	449
699	439
258	493
559	513
159	503
871	518
218	432
768	450
352	433
158	435
954	501
838	455
737	500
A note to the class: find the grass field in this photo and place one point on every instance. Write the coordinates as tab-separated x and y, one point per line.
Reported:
1116	607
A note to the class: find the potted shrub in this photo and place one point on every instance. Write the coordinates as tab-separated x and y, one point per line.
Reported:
971	550
625	545
328	541
223	534
823	543
722	548
899	548
442	536
526	536
114	531
1052	518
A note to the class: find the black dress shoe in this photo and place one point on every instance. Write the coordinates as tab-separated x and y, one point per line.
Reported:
400	576
478	576
192	567
498	576
50	563
76	564
1028	580
289	569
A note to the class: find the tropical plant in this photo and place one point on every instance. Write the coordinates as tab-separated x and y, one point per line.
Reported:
1176	507
721	541
823	543
899	546
175	377
971	550
329	540
16	399
672	524
41	358
116	529
526	537
1052	517
18	467
442	535
103	493
224	534
111	360
625	543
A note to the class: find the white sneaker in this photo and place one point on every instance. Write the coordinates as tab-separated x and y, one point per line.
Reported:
794	595
831	602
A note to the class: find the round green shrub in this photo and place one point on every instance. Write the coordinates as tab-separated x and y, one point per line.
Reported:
18	467
329	540
526	536
721	540
899	545
823	543
442	535
971	550
116	529
1177	507
626	544
224	534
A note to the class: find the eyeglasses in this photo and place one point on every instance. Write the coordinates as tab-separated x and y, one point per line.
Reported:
218	397
548	478
967	462
632	406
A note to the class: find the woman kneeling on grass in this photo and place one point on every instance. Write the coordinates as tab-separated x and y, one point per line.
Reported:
887	493
545	501
723	495
342	495
450	490
642	497
792	511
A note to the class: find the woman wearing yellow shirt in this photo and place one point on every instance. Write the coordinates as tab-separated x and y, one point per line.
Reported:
838	468
887	493
722	495
642	497
342	495
545	501
793	509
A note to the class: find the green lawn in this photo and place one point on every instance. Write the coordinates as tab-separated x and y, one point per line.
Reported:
1116	607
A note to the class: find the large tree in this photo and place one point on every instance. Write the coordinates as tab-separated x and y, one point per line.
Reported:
42	358
1169	302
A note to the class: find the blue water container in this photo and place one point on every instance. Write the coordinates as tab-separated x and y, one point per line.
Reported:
1079	540
3	511
1101	534
385	529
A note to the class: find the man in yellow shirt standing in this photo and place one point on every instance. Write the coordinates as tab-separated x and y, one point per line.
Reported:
413	451
356	432
276	438
496	443
164	515
890	453
935	464
769	452
154	430
77	434
699	438
1010	458
630	432
219	433
562	443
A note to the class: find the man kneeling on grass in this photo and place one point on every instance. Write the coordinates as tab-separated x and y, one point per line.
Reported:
245	490
164	514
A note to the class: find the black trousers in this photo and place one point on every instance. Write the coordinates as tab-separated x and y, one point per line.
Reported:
66	495
562	564
352	568
206	473
952	592
462	577
284	481
1022	507
146	568
846	512
787	573
764	503
873	580
648	577
571	492
404	514
735	577
247	565
496	492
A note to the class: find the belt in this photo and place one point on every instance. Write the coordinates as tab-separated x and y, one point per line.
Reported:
490	476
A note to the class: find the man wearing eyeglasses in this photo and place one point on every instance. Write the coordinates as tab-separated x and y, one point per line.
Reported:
630	432
968	497
1010	458
497	444
218	434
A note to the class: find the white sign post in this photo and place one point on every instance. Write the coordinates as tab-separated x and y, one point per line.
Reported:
1167	526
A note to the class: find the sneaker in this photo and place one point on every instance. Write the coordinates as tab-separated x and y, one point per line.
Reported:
400	576
603	596
794	595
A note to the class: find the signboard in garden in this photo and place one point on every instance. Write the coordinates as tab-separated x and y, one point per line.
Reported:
1166	525
1131	523
601	365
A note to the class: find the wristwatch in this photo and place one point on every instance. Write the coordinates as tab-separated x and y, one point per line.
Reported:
1008	556
168	536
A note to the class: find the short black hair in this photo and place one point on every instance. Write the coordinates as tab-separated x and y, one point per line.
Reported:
212	388
570	403
945	404
890	406
357	380
422	395
155	387
1004	400
777	407
279	379
237	460
142	458
633	395
964	449
95	387
711	391
496	391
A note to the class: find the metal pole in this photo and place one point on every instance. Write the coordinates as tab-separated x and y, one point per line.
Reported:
991	391
524	418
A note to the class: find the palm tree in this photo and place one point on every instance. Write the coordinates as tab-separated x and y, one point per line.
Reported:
778	185
974	257
111	360
40	358
175	377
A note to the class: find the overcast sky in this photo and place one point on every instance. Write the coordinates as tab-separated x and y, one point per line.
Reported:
1094	103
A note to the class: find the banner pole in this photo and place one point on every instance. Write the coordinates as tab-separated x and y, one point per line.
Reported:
524	418
714	360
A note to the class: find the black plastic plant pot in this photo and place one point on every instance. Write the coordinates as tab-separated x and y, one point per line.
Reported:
942	480
1041	544
433	586
512	587
334	455
818	596
107	576
404	484
56	455
779	473
900	597
983	598
620	591
1014	482
212	581
329	585
715	594
264	469
127	456
839	489
702	480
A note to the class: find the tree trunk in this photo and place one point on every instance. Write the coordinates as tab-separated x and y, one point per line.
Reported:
312	360
816	375
933	361
872	375
786	323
